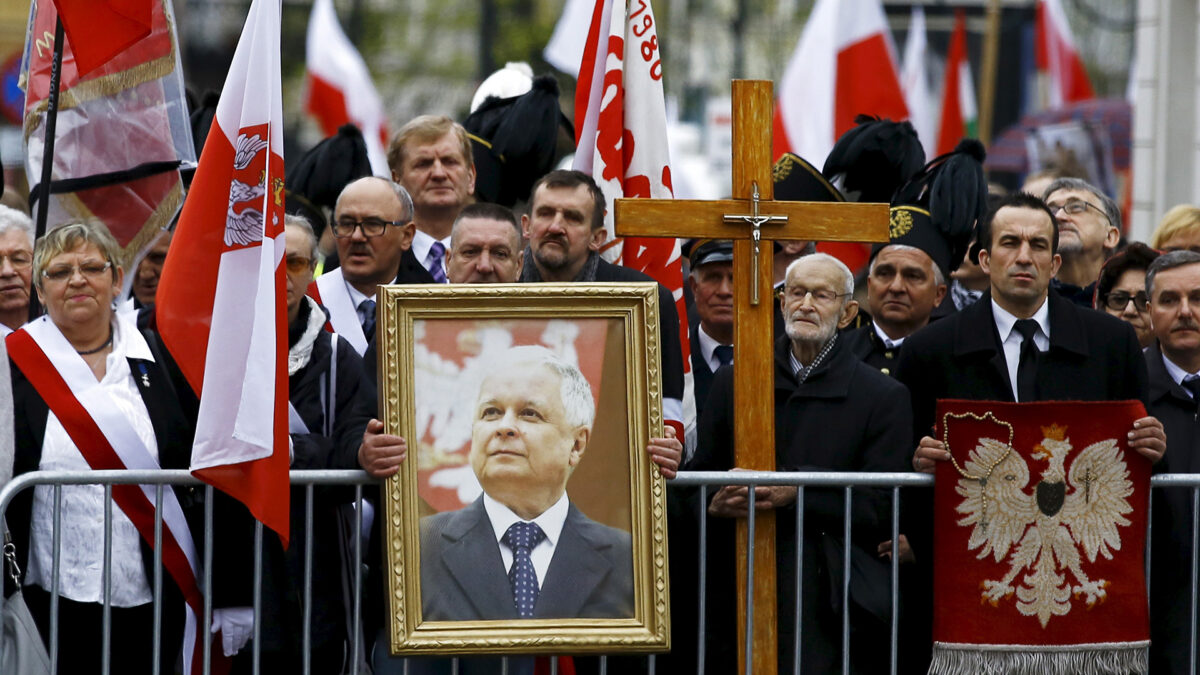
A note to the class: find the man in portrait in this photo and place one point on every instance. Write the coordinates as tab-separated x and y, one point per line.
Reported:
522	550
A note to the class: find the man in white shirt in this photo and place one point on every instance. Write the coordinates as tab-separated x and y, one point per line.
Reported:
431	157
522	550
372	222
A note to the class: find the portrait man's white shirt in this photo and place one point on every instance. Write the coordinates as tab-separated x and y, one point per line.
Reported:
551	521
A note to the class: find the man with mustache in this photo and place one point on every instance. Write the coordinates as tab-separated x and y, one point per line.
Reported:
16	268
372	221
1019	342
1089	225
1173	362
832	413
564	230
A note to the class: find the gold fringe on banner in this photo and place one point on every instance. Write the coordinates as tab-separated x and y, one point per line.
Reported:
1118	658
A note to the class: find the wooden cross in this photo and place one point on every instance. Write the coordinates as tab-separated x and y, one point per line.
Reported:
754	422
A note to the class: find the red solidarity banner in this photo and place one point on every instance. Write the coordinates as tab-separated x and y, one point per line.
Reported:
1039	552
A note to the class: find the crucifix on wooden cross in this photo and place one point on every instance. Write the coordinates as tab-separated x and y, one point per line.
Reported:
752	219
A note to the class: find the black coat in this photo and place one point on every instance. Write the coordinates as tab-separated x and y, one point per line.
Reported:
1171	531
702	375
865	344
845	417
283	571
1092	357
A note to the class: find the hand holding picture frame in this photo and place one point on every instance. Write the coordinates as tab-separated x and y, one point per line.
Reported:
524	403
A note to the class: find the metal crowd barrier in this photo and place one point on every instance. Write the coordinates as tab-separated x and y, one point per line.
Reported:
704	480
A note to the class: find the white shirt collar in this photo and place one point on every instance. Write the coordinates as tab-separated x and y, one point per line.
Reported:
357	296
1176	373
1005	322
421	244
551	520
708	348
887	341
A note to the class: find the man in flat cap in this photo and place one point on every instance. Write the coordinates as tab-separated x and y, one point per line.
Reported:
711	338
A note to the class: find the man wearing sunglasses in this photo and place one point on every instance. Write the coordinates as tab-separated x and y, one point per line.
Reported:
1089	226
372	224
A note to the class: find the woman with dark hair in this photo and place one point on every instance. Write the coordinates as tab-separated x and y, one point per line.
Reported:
1121	289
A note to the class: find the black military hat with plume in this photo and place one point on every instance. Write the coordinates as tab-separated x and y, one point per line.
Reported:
937	209
321	174
869	162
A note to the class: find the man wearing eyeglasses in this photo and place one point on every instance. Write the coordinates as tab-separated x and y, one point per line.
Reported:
1173	363
372	224
1089	225
16	268
832	413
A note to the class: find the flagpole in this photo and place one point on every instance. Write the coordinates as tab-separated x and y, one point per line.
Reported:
43	196
991	51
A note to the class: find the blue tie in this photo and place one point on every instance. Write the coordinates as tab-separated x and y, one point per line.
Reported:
435	262
366	315
521	537
724	354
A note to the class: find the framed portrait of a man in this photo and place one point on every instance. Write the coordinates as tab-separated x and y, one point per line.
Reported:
528	517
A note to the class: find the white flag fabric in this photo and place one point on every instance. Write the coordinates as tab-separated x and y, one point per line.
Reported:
1057	57
915	83
221	308
340	90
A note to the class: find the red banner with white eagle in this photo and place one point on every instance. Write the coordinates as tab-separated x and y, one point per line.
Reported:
1039	552
221	308
621	141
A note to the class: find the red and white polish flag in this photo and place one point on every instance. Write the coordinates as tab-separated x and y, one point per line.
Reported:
622	142
339	89
1057	58
221	309
843	66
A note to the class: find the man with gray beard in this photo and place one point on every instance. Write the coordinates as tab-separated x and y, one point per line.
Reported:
1089	228
832	413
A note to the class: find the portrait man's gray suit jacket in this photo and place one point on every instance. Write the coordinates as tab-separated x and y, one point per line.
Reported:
463	577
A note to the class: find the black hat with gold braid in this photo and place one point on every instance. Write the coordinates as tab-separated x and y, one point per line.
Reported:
798	181
937	209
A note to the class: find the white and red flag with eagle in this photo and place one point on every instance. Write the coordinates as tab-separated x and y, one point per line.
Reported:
621	141
220	304
339	87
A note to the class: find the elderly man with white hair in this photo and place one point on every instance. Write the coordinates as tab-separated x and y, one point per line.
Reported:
832	413
16	268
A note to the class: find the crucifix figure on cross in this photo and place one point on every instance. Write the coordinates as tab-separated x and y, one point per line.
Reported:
753	191
756	221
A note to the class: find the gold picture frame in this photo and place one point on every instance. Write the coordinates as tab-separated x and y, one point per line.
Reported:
436	346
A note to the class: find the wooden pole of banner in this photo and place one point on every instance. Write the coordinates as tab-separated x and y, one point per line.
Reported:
43	188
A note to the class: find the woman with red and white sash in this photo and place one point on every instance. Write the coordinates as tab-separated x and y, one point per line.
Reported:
90	391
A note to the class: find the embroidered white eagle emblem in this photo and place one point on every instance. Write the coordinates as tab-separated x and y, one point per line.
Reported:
245	226
1045	529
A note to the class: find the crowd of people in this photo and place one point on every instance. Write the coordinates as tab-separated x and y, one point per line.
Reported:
1007	297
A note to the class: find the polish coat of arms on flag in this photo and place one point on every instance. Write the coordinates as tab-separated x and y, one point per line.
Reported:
221	308
1040	522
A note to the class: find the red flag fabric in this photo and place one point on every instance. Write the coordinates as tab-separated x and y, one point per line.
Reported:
221	308
100	29
952	124
122	135
1057	58
621	139
1039	556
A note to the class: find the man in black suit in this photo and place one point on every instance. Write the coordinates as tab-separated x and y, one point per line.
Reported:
980	353
711	335
1173	362
523	550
